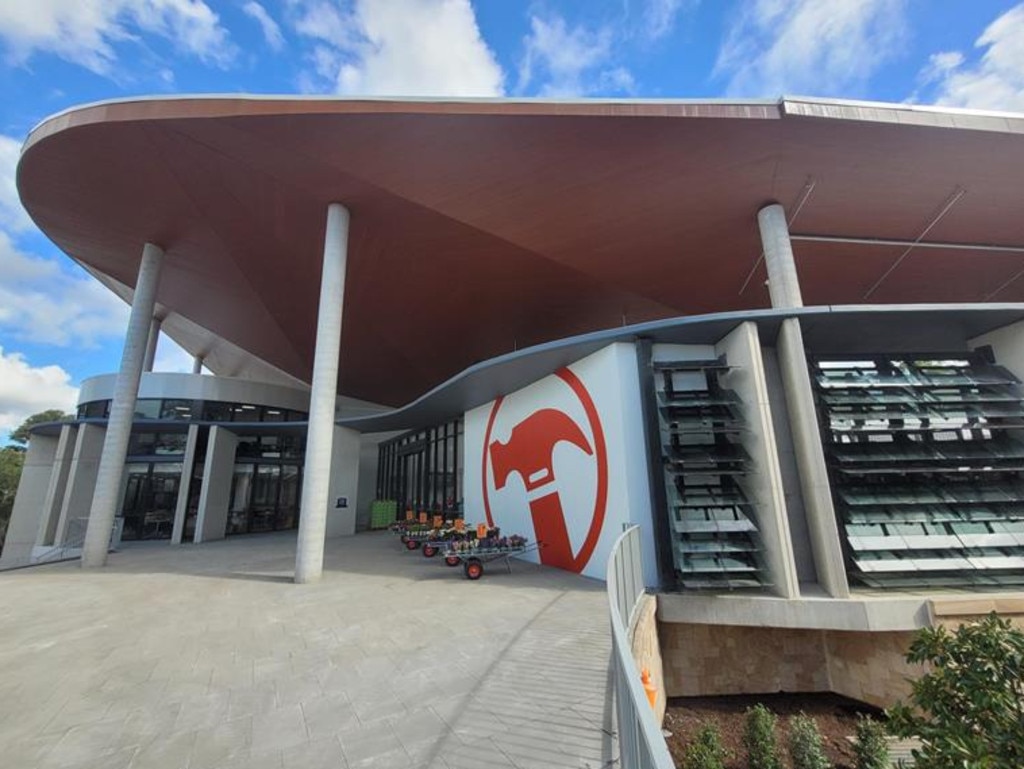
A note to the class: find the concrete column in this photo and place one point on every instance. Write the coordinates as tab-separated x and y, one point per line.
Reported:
81	485
309	555
197	364
218	474
122	410
783	282
810	460
763	484
344	483
151	342
24	523
185	484
53	502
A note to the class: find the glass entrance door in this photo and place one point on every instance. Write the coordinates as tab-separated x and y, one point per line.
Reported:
264	497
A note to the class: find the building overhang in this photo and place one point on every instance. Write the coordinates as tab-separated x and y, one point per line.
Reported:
480	227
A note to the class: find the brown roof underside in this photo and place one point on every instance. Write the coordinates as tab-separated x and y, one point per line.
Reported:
479	228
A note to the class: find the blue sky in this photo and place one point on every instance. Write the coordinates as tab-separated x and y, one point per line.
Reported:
58	327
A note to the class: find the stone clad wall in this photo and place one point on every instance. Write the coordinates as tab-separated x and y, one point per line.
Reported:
731	659
647	651
870	667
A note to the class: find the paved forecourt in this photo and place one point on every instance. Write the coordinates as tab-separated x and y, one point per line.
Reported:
208	657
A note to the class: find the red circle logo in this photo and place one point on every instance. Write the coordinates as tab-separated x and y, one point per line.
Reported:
529	454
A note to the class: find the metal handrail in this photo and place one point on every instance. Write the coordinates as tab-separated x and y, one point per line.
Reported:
641	744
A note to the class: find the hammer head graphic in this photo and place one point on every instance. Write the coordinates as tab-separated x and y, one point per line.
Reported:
531	446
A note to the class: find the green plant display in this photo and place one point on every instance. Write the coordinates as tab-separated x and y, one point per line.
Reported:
706	751
871	750
805	748
759	739
968	708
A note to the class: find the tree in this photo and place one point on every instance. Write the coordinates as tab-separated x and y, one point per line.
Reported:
11	461
21	433
968	709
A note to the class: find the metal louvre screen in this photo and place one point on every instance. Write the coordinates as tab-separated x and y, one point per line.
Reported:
926	462
715	536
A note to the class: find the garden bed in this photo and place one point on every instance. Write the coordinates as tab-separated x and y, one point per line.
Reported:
836	718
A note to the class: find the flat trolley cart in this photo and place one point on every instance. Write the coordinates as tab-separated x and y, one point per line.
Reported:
473	560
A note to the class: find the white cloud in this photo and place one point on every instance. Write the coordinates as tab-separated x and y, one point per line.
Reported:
13	216
562	61
399	48
43	304
659	17
26	390
809	47
87	32
996	80
271	30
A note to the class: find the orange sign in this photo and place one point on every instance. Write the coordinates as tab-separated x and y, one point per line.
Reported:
408	514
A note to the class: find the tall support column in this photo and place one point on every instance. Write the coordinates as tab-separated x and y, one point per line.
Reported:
197	364
151	342
122	410
309	556
783	283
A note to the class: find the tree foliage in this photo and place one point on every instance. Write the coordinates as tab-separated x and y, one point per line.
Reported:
968	709
11	462
21	433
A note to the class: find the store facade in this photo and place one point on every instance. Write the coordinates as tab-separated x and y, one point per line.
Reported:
784	337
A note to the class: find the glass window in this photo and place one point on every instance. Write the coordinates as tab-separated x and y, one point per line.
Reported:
291	446
248	446
141	444
95	409
272	414
216	411
241	490
297	416
176	409
245	412
147	408
170	443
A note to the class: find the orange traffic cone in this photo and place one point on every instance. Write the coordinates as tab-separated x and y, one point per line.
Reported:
649	687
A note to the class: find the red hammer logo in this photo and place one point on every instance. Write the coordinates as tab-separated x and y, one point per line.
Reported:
530	453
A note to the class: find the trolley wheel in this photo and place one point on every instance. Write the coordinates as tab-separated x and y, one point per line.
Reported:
429	551
411	544
452	560
474	568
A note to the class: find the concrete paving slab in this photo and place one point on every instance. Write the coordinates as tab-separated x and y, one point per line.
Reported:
208	656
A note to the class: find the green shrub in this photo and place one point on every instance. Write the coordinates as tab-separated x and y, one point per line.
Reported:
968	709
805	747
871	750
706	751
759	739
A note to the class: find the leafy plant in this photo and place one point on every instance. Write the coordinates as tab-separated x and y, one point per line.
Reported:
871	750
805	748
968	708
759	739
706	751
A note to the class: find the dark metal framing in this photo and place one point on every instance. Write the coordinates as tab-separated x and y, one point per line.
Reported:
414	468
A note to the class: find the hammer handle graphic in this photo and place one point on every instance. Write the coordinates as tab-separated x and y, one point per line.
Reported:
549	528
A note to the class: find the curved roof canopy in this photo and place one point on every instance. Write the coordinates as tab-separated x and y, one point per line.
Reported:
480	227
